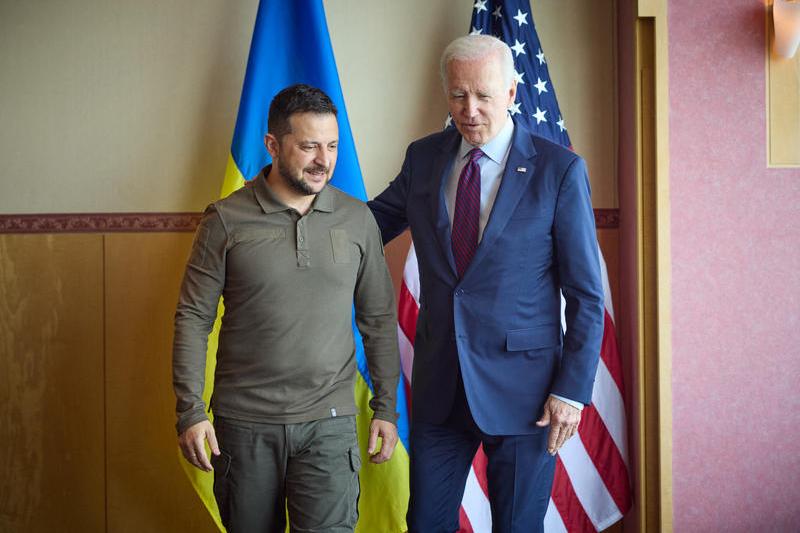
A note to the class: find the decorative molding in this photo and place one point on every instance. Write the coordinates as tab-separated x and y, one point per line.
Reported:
155	222
99	222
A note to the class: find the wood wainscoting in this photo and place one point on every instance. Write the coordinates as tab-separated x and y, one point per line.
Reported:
86	405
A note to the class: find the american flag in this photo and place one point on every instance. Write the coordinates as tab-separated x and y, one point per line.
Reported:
591	489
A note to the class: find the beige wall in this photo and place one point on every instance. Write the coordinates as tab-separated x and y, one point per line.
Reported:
129	106
116	105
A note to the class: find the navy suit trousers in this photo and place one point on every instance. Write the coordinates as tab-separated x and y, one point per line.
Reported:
519	474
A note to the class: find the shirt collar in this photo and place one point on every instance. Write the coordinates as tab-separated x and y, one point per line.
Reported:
271	204
497	148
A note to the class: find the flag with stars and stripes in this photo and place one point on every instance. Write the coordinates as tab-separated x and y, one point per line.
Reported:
591	488
536	106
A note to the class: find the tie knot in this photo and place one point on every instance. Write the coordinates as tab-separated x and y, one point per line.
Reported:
475	154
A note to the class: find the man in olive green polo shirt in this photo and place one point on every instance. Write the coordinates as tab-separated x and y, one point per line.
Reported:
291	255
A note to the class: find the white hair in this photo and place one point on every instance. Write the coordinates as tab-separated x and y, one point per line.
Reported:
472	47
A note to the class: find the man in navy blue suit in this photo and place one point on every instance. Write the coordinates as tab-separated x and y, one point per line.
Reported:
502	223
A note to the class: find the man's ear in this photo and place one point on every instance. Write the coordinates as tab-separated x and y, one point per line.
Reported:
512	92
271	143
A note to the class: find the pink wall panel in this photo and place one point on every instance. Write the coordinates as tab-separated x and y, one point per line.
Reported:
736	281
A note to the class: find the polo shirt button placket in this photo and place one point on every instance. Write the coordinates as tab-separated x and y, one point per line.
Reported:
303	256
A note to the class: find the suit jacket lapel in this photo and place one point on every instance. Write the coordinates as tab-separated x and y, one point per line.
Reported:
514	181
442	166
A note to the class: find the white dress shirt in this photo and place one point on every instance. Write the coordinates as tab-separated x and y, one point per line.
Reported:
492	166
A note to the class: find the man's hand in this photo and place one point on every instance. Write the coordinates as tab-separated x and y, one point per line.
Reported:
193	444
388	434
563	420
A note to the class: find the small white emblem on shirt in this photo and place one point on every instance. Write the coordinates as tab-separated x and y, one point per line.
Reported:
333	411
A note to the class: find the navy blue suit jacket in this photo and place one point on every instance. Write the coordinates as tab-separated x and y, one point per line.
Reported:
501	321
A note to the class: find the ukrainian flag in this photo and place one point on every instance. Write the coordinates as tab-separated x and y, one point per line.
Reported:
291	45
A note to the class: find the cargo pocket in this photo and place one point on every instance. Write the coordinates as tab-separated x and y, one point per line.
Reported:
355	459
355	465
341	246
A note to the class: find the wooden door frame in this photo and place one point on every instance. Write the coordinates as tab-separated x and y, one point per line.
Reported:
653	411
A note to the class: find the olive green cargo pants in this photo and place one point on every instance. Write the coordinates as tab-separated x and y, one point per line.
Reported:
310	468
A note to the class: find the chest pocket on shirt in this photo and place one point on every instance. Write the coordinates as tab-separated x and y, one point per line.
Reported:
342	249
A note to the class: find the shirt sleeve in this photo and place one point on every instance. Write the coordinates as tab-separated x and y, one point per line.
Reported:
576	405
376	318
200	292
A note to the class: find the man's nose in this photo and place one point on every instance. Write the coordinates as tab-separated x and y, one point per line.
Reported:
323	157
471	107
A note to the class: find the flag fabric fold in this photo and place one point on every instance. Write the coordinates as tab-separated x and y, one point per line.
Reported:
591	489
291	45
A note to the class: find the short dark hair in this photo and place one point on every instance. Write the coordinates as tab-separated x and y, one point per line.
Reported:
299	98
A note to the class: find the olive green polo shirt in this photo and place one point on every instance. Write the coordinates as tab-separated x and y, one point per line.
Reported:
290	283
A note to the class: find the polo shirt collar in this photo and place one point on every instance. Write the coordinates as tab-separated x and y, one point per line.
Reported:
271	204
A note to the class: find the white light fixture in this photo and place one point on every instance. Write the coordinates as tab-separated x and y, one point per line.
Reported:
786	16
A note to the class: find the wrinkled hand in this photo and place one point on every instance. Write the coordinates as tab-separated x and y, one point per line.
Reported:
388	435
193	444
563	420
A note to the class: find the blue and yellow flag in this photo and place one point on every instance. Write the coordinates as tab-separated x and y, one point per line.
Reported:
291	45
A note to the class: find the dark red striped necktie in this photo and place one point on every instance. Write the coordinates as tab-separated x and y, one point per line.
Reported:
467	212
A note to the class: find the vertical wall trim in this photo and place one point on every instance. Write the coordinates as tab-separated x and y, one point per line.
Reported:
663	266
104	265
653	259
647	410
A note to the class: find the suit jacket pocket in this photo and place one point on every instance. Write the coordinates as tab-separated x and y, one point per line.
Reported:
544	336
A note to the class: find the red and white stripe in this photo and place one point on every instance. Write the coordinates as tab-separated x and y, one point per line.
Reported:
591	489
